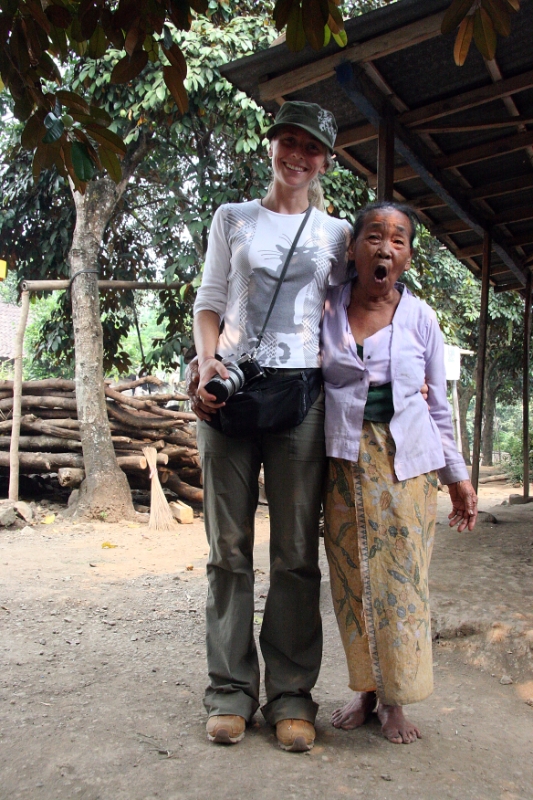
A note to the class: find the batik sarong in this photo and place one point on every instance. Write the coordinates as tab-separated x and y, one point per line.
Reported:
379	535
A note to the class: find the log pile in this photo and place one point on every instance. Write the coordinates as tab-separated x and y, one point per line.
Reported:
50	440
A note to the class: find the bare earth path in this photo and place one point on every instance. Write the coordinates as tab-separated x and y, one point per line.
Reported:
102	672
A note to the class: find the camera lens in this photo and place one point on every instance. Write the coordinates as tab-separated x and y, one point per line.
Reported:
223	389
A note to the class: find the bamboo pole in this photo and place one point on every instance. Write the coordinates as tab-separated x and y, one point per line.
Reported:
525	383
17	397
52	286
481	358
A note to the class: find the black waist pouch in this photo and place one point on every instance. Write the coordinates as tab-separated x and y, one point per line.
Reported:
271	404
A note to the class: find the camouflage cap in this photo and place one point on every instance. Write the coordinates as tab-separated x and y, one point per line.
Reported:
317	121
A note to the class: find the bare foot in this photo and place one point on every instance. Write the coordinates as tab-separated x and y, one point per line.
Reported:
395	726
354	713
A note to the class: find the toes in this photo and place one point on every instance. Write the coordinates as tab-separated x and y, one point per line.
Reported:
395	738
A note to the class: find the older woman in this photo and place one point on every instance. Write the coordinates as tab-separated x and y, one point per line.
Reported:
385	448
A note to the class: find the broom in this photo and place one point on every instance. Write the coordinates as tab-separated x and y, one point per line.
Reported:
161	518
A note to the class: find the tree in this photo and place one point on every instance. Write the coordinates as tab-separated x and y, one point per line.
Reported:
212	154
36	35
185	167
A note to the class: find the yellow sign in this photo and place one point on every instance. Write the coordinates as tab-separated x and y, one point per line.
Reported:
3	270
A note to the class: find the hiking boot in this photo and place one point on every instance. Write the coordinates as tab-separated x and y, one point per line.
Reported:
295	735
225	728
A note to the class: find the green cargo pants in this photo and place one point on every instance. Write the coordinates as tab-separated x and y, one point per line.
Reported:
291	632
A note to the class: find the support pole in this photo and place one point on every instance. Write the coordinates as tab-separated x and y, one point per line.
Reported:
17	401
385	185
525	383
481	357
456	418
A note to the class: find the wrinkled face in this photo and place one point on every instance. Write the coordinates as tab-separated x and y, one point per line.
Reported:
297	157
382	252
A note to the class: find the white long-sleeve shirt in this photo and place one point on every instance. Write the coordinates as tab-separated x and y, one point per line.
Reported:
247	248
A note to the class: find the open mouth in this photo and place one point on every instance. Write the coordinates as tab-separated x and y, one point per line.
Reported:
380	273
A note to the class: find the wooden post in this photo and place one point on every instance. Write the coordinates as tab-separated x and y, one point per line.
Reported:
17	401
456	418
385	185
481	358
525	385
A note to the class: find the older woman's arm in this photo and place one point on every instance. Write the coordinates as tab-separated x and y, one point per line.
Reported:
454	474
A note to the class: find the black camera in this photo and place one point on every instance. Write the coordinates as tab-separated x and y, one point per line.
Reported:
243	371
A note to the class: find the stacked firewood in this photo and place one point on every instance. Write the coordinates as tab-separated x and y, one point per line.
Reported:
50	440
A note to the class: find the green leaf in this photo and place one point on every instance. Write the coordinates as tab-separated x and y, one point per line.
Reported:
455	14
100	115
33	131
110	163
98	43
295	30
282	11
72	101
342	40
83	164
128	68
54	127
315	14
484	34
106	137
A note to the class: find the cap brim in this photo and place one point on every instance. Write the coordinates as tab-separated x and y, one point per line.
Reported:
270	132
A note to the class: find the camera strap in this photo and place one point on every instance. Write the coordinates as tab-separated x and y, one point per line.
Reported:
280	281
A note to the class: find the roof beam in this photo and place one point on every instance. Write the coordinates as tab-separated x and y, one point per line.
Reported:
508	287
453	226
374	106
524	238
356	135
406	173
453	127
477	249
513	215
344	155
470	251
428	201
501	187
481	152
475	97
380	46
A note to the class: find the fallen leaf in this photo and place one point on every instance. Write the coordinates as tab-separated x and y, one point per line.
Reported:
189	567
49	519
108	546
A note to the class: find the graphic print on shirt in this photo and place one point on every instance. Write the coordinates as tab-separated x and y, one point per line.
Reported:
257	242
287	315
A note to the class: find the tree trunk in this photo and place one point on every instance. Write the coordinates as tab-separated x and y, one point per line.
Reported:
487	437
465	396
105	493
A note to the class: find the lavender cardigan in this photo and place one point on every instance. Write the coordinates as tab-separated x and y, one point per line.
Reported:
423	435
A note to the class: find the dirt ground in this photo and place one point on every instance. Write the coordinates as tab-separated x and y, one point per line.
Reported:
102	672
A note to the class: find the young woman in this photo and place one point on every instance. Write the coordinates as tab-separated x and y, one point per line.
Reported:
248	245
385	447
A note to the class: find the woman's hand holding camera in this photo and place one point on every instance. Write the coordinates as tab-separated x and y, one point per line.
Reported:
203	404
